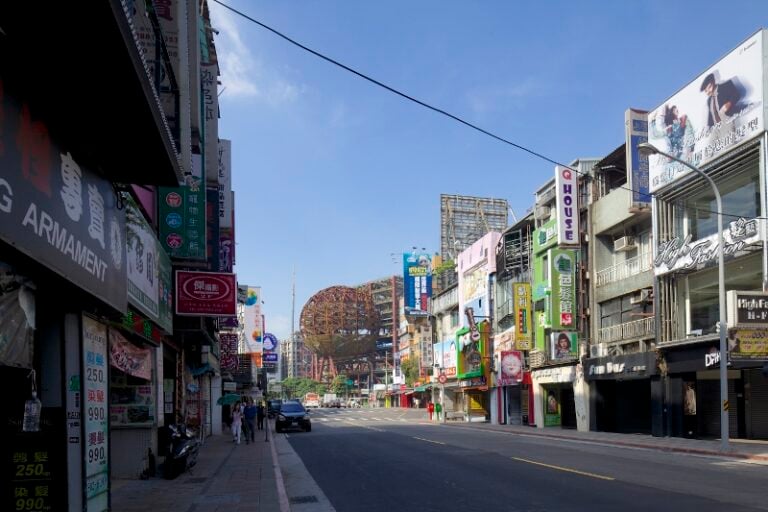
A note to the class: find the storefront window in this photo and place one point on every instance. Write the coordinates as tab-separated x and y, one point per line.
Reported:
741	198
742	274
132	401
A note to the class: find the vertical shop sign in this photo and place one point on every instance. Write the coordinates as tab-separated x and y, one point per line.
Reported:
636	129
182	215
142	255
563	286
521	295
417	283
165	307
253	321
95	414
567	193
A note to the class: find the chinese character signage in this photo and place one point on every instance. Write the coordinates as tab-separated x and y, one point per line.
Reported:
521	295
417	282
95	413
563	288
636	129
253	330
228	358
57	211
545	237
206	293
567	193
142	250
225	184
718	111
165	301
182	216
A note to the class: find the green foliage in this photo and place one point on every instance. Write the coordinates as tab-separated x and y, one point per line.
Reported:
298	387
339	384
410	369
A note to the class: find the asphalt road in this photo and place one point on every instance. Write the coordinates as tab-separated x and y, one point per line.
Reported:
392	460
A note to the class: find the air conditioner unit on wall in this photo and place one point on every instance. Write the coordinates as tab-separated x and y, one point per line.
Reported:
645	295
597	350
624	243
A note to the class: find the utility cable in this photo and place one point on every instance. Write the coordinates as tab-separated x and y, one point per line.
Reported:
435	109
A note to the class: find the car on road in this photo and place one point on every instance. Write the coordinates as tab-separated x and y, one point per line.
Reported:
293	415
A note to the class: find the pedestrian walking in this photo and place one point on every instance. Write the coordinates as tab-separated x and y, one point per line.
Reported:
237	422
249	413
260	415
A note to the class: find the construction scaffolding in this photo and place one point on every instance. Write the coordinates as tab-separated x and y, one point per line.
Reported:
463	221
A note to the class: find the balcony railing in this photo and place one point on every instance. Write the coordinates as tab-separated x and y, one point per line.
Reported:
623	270
626	331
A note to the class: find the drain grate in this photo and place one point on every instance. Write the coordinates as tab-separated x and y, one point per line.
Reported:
196	480
303	499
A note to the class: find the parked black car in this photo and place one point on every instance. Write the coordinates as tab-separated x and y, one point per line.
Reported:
293	415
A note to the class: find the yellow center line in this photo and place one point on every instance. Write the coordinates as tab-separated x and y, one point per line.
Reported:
569	470
428	440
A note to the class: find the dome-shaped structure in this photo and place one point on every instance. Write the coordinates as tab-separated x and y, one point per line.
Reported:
340	322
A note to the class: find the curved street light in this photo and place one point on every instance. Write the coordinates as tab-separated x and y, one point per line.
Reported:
649	149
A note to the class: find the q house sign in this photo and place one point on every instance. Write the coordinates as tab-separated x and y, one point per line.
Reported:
747	309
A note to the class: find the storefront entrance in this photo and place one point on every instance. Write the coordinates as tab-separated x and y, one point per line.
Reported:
623	406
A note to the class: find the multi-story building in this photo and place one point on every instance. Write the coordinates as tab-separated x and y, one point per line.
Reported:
716	123
88	314
295	358
620	363
559	294
513	323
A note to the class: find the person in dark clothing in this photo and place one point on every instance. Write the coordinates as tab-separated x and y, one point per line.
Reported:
250	414
260	416
723	99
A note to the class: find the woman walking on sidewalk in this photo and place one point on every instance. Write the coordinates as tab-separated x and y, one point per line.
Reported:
237	422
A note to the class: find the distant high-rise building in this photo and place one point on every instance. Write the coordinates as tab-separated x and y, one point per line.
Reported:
295	358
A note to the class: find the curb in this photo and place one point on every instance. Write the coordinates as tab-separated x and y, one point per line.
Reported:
282	494
672	449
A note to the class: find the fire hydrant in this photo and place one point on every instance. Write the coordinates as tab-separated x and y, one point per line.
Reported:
430	409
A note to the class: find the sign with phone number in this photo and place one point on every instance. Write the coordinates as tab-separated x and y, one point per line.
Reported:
95	411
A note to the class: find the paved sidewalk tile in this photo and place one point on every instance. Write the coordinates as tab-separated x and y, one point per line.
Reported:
227	477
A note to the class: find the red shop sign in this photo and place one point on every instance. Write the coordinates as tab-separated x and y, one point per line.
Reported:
206	293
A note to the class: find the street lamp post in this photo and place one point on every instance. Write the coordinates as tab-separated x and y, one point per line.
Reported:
649	149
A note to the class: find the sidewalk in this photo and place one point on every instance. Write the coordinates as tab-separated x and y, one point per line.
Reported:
227	477
739	448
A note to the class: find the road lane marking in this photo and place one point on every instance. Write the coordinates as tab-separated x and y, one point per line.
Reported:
560	468
427	440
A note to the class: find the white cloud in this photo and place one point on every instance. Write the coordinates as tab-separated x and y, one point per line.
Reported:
499	99
243	74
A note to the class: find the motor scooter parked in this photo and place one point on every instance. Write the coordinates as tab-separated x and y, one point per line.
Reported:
182	449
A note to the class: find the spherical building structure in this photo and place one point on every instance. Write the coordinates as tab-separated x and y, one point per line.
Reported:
339	322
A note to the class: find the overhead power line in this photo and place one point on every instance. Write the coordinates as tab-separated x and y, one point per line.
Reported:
432	108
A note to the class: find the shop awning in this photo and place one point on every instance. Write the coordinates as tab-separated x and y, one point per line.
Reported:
421	388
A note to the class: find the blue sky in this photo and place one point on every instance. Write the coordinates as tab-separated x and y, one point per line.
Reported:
333	174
